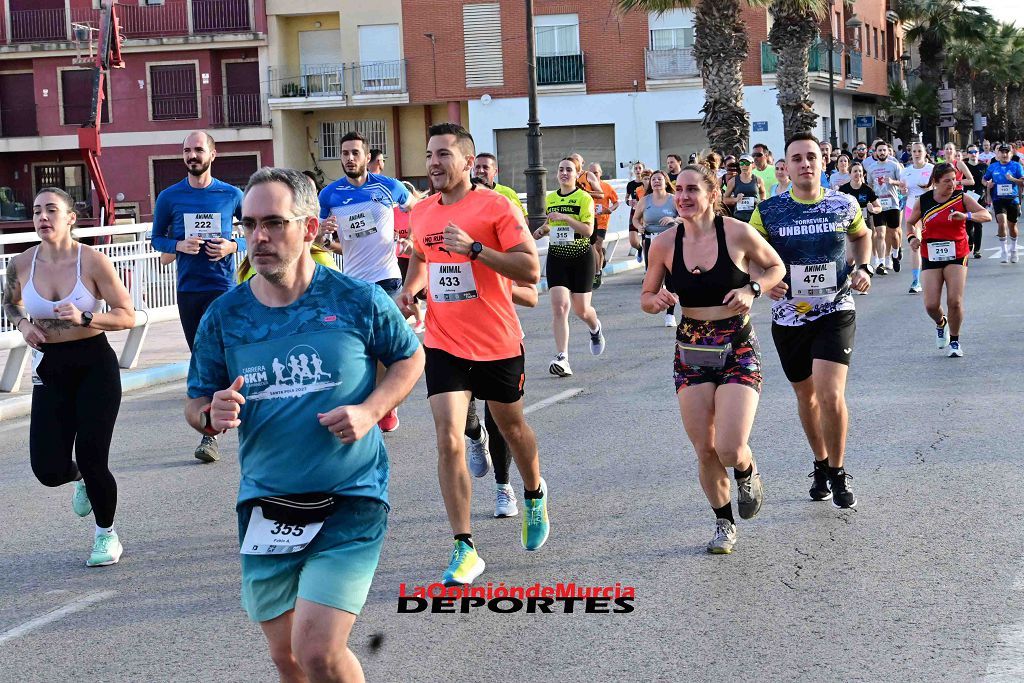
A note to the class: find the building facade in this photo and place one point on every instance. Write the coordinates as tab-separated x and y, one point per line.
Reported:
189	64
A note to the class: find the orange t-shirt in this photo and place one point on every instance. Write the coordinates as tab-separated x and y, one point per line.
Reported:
609	198
469	317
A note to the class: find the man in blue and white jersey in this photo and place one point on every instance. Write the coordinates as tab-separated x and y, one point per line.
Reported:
288	358
1004	178
192	224
884	176
813	318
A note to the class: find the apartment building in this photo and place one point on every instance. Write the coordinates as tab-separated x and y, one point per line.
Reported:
189	64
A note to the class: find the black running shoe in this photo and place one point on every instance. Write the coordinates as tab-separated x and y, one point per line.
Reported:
896	260
597	279
820	489
842	494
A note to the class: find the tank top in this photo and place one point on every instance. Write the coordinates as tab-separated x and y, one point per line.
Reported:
748	190
80	296
653	213
937	225
710	287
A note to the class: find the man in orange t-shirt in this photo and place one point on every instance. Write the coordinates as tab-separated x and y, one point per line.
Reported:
469	245
603	208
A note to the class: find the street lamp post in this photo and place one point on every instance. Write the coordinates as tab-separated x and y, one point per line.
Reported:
535	171
853	22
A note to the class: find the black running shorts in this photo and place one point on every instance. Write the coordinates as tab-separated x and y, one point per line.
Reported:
1008	207
577	274
830	338
890	218
492	380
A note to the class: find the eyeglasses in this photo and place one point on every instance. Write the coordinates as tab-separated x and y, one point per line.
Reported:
861	149
757	154
272	226
972	151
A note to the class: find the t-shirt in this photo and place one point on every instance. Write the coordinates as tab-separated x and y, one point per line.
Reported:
512	196
811	239
401	230
610	197
880	173
837	179
863	194
987	157
183	211
577	204
767	176
366	224
470	313
914	179
997	172
309	357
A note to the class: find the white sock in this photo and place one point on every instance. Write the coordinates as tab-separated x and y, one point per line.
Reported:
1013	243
1002	245
101	530
895	252
598	328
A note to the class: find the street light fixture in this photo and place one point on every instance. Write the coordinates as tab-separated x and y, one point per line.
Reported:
853	22
535	171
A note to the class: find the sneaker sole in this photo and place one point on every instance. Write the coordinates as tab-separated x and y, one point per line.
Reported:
478	569
511	514
559	372
755	503
844	507
108	563
596	353
827	496
206	456
720	551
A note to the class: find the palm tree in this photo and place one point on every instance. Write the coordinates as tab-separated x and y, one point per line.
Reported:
963	62
720	47
906	104
794	30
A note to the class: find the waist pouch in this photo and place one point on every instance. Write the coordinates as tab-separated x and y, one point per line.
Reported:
711	355
298	508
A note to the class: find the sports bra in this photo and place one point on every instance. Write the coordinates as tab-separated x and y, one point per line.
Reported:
80	296
698	290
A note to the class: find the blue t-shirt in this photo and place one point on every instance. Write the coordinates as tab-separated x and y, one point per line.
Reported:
1004	190
183	211
309	357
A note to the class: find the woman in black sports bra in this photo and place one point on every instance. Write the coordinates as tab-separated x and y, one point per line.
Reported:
717	359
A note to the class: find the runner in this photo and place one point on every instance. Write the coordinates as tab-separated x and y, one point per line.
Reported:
312	501
1000	178
603	209
76	383
485	167
914	181
635	191
964	178
870	207
745	191
403	247
841	175
377	161
570	265
674	164
192	221
717	358
860	154
979	193
885	172
655	214
764	168
781	178
986	155
359	207
474	245
813	318
944	213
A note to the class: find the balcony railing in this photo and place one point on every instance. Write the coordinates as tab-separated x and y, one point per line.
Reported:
220	16
173	107
895	70
38	25
817	59
672	63
854	65
153	21
333	80
378	77
235	111
560	70
171	18
769	59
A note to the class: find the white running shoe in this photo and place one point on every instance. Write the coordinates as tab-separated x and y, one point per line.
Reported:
560	366
670	320
954	350
505	501
597	341
479	454
1005	256
1013	256
942	336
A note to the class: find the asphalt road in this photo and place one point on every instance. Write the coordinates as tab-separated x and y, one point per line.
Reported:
921	582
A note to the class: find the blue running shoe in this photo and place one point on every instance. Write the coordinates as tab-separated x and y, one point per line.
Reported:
536	526
465	565
80	502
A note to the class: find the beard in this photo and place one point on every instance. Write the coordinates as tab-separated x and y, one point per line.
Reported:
358	173
198	170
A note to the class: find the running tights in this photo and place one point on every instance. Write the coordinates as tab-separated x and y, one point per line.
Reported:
74	408
974	235
498	447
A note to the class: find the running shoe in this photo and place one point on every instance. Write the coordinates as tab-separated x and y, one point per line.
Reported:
670	320
880	270
597	278
80	502
597	341
479	455
1013	256
915	287
420	327
819	489
750	494
560	366
639	256
862	293
207	450
977	253
536	526
389	422
942	334
896	260
842	494
505	501
954	350
1005	256
465	565
106	550
724	539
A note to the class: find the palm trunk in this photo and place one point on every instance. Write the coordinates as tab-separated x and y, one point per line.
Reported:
793	32
964	105
720	48
983	88
1014	112
933	56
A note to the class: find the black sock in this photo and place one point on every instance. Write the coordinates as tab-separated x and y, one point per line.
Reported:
725	512
942	323
465	538
737	474
472	422
954	338
821	464
834	472
532	495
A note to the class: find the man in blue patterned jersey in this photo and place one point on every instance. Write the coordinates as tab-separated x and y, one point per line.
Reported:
813	318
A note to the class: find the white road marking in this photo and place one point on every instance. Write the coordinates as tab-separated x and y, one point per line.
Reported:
568	393
162	389
1008	665
57	614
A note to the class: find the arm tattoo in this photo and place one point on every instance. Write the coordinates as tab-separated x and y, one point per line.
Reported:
12	292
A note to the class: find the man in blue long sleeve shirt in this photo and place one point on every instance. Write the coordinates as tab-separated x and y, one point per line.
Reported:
193	221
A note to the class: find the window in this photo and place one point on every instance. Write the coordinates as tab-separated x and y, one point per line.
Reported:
867	40
481	31
17	106
671	30
174	92
380	59
71	178
877	54
557	35
594	142
331	133
76	97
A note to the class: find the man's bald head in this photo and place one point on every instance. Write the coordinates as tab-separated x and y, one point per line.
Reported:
595	168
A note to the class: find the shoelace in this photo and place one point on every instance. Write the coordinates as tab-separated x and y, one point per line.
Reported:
503	497
103	543
535	514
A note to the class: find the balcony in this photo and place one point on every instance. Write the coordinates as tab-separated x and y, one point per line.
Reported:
854	68
818	59
895	72
220	16
672	64
379	77
39	26
560	70
338	85
313	80
235	111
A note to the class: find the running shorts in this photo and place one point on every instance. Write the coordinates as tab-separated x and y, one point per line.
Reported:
599	234
830	338
743	364
391	286
936	265
890	218
489	380
334	570
1008	207
576	274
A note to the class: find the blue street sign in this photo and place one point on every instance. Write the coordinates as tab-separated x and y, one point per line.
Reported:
760	126
865	121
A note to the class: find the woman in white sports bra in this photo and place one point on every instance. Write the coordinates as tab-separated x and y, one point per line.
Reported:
52	294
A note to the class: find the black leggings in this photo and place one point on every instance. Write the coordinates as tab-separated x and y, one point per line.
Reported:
974	235
191	306
498	446
668	280
75	407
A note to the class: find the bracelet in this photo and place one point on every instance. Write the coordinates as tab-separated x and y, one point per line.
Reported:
968	215
913	237
22	319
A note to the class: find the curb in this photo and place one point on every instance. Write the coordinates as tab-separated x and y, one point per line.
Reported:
130	381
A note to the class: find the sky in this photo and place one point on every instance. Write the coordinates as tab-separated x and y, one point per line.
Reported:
1005	10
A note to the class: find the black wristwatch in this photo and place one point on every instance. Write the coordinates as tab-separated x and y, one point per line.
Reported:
756	288
867	268
86	318
206	421
474	250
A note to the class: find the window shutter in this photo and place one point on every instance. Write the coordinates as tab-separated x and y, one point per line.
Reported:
173	89
481	30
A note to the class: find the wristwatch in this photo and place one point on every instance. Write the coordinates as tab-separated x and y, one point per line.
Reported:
756	288
206	421
474	250
867	268
86	318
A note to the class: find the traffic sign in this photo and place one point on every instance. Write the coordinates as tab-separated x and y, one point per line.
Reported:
865	121
760	126
945	107
946	94
947	122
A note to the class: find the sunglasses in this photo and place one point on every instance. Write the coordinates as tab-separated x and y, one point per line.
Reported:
972	151
757	155
744	163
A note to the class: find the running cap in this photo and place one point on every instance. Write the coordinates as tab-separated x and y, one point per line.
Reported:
747	157
1005	148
